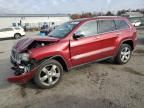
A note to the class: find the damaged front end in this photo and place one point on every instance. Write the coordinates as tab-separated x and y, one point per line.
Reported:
22	78
24	66
23	70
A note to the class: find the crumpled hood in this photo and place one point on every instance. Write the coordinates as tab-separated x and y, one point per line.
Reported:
23	44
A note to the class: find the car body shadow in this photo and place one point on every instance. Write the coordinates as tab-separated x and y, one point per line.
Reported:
4	39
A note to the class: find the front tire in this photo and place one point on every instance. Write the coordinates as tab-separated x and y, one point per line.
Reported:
124	54
49	74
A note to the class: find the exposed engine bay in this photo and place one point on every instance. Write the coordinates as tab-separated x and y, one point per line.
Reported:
37	44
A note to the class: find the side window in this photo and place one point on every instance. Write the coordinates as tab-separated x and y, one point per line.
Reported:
6	29
121	24
88	29
106	26
9	29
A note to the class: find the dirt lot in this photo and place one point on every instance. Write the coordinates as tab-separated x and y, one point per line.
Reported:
97	85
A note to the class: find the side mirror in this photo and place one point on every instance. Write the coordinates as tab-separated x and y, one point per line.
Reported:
78	35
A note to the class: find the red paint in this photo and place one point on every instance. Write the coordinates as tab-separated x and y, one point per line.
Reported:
76	52
21	79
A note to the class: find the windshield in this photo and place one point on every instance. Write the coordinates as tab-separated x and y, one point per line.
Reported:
63	30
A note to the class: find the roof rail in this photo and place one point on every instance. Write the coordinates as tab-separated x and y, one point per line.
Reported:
109	16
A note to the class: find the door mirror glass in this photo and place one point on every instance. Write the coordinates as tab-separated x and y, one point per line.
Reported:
78	34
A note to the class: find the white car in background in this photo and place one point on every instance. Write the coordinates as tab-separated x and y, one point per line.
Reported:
12	32
136	23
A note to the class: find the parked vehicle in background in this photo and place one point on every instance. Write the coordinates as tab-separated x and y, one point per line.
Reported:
47	30
136	23
72	44
12	32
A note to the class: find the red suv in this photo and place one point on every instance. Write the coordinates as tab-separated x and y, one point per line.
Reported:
72	44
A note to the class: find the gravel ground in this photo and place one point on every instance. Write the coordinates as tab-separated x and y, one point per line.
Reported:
97	85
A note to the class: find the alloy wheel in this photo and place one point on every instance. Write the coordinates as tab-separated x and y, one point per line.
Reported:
49	75
125	54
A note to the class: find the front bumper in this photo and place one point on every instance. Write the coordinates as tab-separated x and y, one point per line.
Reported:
23	78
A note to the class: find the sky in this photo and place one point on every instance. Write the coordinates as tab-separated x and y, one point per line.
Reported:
66	6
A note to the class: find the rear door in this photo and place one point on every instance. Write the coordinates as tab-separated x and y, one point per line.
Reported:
88	47
106	30
123	29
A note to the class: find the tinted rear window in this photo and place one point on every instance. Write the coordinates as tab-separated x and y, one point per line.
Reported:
106	26
121	24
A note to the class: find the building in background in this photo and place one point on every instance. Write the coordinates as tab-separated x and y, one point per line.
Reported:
135	17
32	20
133	14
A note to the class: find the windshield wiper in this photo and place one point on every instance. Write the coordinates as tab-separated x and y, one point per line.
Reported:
52	36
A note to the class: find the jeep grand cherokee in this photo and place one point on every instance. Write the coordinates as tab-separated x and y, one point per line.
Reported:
72	44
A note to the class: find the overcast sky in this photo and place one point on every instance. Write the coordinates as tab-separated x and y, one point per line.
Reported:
66	6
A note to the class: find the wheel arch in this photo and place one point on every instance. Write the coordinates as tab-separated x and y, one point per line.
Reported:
17	33
127	41
58	58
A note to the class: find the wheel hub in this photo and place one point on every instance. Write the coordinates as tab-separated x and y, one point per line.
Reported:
50	74
125	54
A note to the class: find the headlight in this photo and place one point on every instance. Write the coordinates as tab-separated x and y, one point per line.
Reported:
25	57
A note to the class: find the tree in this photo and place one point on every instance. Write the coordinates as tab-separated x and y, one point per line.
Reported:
120	12
142	11
109	13
75	16
86	15
99	14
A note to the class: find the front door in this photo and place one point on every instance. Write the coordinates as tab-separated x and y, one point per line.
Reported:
88	47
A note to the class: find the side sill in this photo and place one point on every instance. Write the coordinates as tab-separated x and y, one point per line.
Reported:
95	61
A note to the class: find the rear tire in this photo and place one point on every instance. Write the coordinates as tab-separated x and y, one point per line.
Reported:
17	36
49	74
124	54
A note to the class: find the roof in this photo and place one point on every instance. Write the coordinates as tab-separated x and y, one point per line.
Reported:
34	15
99	17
